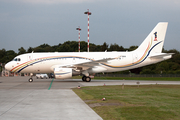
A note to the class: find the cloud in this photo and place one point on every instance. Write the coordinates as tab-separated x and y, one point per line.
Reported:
55	1
50	1
163	2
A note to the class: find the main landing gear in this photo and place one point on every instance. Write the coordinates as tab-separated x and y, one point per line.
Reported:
87	79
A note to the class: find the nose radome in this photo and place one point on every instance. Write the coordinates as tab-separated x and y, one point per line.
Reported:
8	66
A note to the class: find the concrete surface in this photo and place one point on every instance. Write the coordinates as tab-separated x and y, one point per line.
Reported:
20	100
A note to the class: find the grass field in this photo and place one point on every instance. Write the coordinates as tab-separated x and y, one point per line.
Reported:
148	102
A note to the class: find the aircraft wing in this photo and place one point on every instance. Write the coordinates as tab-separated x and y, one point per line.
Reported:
161	55
93	63
86	65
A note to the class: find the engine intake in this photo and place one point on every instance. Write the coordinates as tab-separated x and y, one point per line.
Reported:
63	73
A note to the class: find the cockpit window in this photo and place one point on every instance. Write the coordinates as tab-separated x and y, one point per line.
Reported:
17	59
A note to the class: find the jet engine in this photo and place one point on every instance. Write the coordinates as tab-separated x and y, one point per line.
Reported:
63	73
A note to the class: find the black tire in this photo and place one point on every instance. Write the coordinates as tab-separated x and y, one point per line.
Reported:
88	79
30	80
84	78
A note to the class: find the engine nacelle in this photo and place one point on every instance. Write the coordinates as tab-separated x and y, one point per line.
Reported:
63	73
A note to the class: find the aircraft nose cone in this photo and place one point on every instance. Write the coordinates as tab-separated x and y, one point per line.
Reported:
8	66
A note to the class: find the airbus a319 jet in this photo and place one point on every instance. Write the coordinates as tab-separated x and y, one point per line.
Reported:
64	65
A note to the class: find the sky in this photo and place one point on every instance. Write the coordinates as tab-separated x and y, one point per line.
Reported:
30	23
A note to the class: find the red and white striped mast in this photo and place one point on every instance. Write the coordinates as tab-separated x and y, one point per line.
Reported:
79	29
88	13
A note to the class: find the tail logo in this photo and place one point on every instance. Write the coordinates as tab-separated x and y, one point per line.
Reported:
155	39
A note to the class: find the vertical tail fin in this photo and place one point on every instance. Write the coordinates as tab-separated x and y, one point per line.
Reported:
155	40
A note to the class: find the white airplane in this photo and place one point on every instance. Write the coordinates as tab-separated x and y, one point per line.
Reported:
67	64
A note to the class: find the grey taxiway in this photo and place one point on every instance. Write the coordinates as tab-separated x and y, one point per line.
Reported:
51	99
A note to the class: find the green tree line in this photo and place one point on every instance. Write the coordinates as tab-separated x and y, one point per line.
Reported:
171	66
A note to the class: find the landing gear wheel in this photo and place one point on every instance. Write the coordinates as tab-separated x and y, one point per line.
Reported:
88	79
84	78
30	80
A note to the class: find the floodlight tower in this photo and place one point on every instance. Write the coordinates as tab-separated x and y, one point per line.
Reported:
79	29
88	13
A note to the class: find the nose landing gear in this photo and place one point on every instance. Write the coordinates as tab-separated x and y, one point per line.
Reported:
30	80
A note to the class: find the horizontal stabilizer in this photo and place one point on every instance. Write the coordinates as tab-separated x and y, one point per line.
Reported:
161	55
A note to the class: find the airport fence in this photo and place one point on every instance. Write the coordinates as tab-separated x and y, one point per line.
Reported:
137	75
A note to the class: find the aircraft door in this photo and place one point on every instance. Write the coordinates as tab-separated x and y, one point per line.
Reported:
30	57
